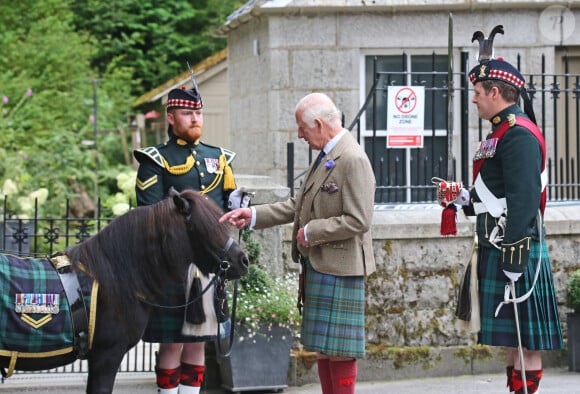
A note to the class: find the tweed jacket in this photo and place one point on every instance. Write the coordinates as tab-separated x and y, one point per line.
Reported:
336	201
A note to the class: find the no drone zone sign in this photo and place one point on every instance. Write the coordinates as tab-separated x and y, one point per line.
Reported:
405	116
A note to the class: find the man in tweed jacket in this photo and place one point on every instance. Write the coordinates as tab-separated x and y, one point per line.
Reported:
332	216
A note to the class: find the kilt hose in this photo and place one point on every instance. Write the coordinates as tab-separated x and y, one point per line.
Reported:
333	319
538	315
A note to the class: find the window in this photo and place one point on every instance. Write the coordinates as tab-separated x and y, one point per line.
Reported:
404	175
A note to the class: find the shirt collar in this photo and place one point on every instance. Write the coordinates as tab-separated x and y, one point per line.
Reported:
332	143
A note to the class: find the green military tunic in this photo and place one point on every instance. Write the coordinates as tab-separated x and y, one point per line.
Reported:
181	165
513	172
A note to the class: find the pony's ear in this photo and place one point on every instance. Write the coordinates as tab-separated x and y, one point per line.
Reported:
181	203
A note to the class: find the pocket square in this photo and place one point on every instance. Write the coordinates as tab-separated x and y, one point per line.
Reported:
329	187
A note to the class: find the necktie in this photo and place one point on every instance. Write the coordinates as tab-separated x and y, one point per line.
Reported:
319	158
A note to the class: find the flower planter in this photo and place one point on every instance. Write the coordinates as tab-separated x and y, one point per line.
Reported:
259	363
573	320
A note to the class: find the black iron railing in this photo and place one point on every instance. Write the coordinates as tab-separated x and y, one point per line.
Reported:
404	175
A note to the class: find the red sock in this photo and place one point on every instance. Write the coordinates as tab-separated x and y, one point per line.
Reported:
324	375
343	375
167	378
532	381
508	372
192	375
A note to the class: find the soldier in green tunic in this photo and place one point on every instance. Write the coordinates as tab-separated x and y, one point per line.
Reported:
508	197
183	162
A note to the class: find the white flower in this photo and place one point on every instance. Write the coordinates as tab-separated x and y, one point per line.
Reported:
120	208
26	205
126	181
9	188
40	195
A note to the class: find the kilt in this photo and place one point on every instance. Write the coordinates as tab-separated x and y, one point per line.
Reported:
165	324
333	318
538	315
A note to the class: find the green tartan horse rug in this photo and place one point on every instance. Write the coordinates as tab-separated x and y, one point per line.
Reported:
37	318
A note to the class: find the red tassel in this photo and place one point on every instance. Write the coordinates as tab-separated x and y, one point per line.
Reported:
448	220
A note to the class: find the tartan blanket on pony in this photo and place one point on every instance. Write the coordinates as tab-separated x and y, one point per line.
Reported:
35	315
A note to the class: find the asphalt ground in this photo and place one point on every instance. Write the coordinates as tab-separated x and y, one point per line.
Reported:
555	381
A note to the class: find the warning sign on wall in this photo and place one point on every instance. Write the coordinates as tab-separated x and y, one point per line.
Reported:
405	116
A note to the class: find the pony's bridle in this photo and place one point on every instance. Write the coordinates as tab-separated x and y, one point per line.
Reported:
225	264
227	247
218	280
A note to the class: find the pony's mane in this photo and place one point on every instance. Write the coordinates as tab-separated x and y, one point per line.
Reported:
135	254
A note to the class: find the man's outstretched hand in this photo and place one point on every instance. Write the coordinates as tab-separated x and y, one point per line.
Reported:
240	217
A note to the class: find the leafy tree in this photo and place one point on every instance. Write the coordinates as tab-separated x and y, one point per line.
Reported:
47	101
153	38
62	61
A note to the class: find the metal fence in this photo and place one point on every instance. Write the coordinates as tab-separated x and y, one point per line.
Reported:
39	237
404	175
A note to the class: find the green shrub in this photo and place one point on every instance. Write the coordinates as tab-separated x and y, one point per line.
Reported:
264	301
573	291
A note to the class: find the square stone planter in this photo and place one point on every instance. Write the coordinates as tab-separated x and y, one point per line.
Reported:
257	364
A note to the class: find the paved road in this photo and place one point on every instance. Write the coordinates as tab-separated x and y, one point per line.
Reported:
556	381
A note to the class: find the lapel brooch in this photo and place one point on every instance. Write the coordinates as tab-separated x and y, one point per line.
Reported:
329	164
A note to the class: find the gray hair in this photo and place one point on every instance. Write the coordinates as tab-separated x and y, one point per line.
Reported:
318	106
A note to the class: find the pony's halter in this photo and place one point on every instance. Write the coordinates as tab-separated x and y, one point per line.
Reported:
219	279
225	265
225	251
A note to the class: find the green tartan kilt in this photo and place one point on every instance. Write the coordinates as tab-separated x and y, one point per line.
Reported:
165	324
333	318
538	315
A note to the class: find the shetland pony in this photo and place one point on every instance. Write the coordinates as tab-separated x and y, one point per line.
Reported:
93	300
